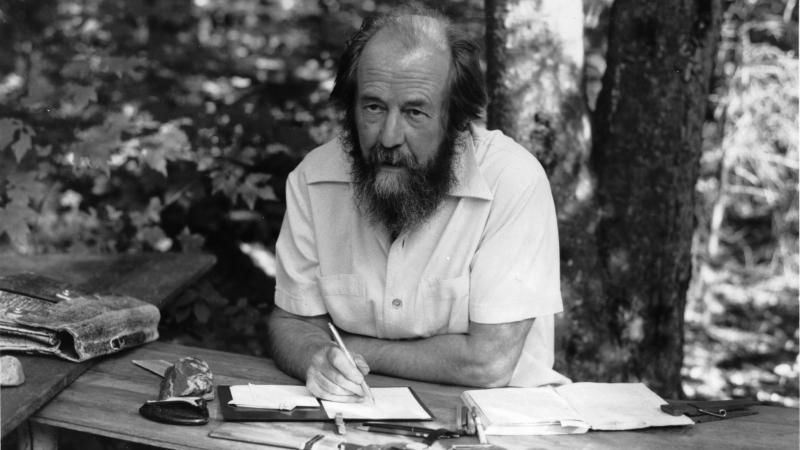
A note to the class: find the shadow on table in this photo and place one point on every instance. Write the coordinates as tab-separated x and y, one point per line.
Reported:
74	440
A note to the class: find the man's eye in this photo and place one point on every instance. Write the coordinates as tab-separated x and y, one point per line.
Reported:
416	113
372	107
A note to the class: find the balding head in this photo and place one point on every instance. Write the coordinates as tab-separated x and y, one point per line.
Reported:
416	27
413	31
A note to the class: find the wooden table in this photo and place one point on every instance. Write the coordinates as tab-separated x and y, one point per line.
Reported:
105	401
152	277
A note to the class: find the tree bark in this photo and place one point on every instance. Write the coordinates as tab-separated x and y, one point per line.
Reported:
626	208
648	134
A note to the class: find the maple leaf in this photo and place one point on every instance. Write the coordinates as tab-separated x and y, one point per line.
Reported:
80	96
254	187
14	220
170	143
151	214
96	144
18	134
226	180
23	144
156	159
7	129
24	187
40	91
190	242
205	163
175	142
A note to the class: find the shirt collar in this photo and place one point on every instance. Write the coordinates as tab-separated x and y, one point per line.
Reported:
335	167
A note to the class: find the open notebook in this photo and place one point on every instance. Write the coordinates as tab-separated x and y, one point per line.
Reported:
568	409
257	402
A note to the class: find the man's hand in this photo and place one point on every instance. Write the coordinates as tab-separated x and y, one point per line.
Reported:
331	376
302	347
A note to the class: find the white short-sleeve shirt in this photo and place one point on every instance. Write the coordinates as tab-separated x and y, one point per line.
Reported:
489	254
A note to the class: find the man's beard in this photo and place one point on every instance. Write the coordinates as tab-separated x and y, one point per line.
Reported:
402	201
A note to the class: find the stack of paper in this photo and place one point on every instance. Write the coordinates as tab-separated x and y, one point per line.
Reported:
271	396
569	409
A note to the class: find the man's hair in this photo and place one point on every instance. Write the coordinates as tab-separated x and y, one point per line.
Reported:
466	91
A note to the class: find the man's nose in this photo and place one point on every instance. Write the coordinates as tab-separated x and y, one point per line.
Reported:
392	133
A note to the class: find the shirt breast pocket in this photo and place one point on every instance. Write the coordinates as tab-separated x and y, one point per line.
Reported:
446	305
346	301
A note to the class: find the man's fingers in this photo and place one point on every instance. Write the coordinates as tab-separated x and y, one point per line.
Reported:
332	376
343	364
322	387
361	363
325	394
337	383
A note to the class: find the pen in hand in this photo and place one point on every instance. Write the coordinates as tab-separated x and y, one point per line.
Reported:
340	343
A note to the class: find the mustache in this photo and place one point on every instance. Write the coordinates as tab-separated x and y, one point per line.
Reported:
378	154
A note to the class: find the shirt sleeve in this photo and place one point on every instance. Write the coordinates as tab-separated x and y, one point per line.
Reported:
296	287
515	272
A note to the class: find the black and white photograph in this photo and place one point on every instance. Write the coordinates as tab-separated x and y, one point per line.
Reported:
399	224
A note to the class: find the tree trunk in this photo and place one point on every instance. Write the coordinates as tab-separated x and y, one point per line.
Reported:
625	211
648	133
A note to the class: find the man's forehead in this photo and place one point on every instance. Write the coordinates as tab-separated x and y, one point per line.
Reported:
386	53
413	77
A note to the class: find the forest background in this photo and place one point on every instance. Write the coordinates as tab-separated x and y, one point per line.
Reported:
171	126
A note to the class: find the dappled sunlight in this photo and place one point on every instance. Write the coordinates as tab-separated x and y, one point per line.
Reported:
262	258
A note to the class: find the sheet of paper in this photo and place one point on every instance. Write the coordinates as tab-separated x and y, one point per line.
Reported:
619	406
390	403
271	396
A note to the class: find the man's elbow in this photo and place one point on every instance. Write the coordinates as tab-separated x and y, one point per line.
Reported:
494	351
491	372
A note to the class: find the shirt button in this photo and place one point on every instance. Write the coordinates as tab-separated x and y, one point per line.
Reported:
397	303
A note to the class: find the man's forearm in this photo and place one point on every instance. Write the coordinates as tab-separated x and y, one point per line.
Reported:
294	341
484	357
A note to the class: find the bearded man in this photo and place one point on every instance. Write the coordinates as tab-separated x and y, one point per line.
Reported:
430	242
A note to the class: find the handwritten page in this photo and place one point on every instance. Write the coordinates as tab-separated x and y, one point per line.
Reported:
390	403
271	396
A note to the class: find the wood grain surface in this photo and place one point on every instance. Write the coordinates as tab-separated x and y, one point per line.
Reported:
154	278
105	401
